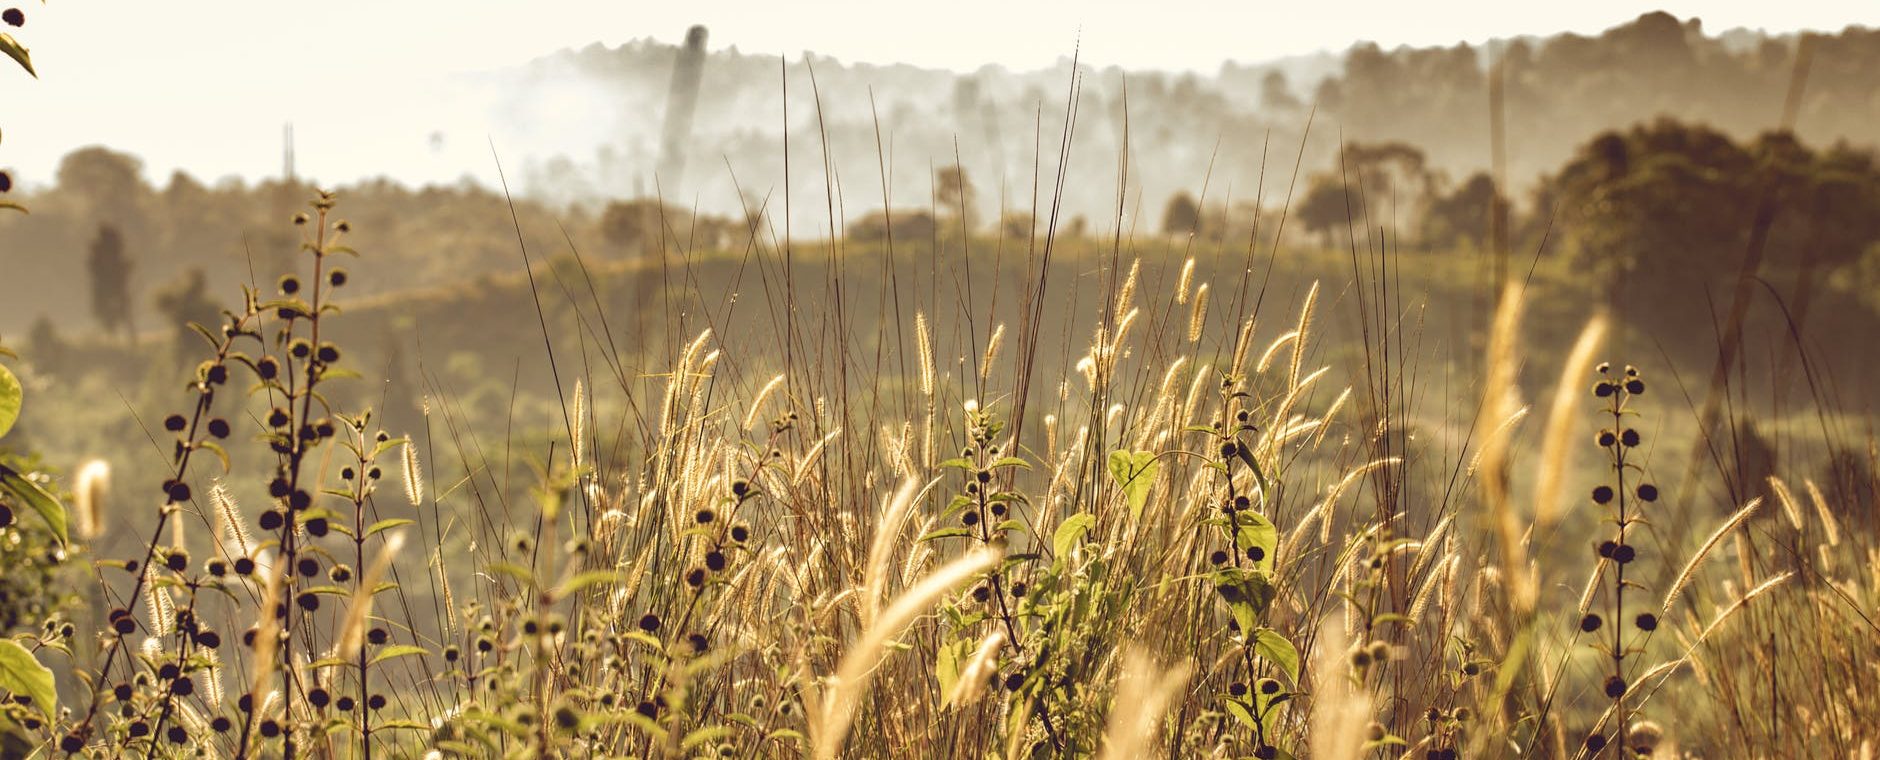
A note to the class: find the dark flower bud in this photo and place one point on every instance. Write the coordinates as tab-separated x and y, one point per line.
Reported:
1647	492
1590	623
1602	494
290	284
1237	688
1217	557
1630	437
175	423
1615	687
1647	621
1625	553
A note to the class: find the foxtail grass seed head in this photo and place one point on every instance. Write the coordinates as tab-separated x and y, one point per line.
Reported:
90	491
413	472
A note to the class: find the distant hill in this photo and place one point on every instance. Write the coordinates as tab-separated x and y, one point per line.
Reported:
1559	90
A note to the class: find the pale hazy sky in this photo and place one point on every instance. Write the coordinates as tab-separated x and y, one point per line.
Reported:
206	85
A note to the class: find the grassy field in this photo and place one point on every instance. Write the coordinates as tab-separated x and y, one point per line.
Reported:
1002	497
1593	480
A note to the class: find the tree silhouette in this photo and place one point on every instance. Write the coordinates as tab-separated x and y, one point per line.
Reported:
110	274
1181	216
184	302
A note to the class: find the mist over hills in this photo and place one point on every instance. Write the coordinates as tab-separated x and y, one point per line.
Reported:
581	131
1183	129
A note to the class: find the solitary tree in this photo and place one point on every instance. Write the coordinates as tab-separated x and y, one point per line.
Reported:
1181	216
184	302
110	272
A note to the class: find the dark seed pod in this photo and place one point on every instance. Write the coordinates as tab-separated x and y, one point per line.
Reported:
175	423
1630	438
1647	492
1237	688
1615	687
1647	621
1602	494
1590	623
1625	553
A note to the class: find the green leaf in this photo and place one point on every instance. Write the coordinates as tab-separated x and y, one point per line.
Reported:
17	52
584	580
1247	592
1070	532
1134	472
27	491
944	533
385	525
1242	714
1269	644
703	735
947	667
1252	529
22	675
396	651
11	394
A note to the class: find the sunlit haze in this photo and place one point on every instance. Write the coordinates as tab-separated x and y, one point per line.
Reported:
206	87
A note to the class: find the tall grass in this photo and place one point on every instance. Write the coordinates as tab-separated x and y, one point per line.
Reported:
1199	535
